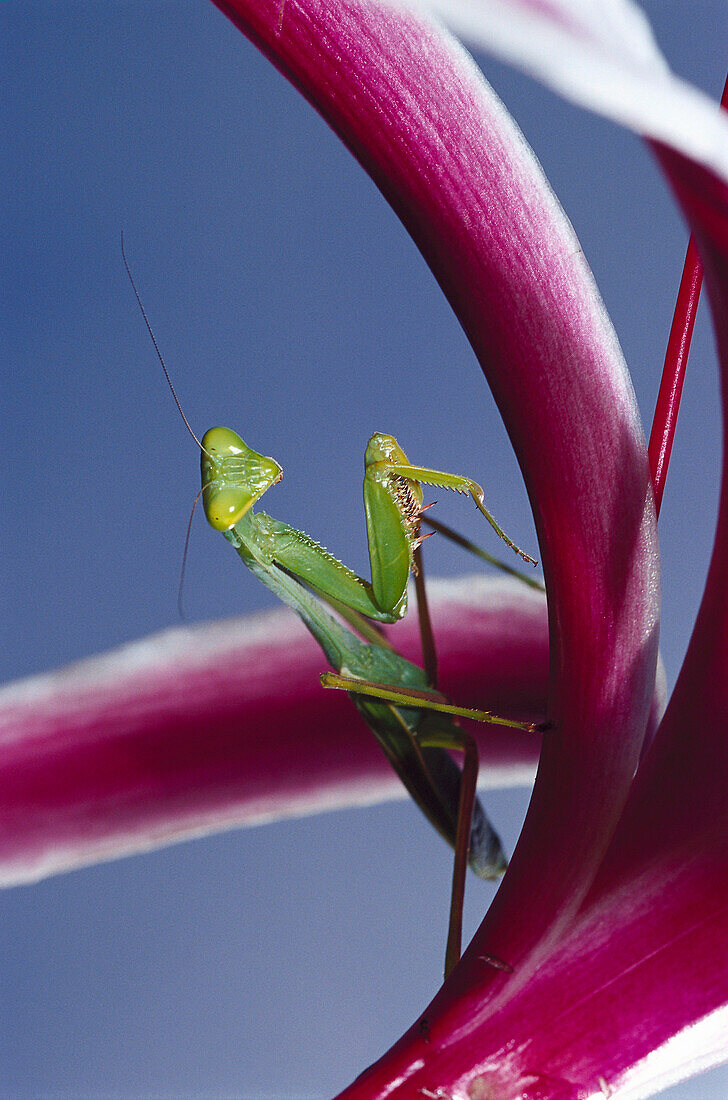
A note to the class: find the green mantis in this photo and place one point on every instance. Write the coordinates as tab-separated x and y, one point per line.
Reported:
413	724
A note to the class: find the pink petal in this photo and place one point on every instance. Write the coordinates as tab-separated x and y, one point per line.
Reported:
415	111
636	993
630	1001
646	959
205	728
662	893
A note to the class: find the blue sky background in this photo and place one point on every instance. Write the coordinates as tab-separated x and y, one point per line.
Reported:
291	305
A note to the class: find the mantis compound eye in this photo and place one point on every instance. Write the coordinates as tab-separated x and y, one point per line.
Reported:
220	442
225	506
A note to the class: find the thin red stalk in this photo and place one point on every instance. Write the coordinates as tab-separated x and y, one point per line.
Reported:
673	372
676	358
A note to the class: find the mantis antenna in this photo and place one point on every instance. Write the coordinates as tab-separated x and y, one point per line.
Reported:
156	348
184	556
181	412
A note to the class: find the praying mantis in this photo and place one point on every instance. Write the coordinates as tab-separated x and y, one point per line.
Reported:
412	723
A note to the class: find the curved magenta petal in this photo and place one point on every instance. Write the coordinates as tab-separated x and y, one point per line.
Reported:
662	893
416	112
206	728
631	1000
635	995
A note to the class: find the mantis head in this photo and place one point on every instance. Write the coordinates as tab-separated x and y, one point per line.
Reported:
233	477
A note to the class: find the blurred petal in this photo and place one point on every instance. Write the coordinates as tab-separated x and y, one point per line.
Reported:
416	112
206	728
600	54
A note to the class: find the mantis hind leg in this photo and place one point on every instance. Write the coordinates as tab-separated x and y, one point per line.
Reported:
415	699
476	842
433	734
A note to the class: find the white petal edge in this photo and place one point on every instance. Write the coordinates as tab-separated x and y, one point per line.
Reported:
599	55
696	1048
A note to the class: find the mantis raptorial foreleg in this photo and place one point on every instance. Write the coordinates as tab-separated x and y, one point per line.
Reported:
423	475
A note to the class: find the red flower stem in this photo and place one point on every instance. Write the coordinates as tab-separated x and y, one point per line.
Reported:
673	372
676	358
